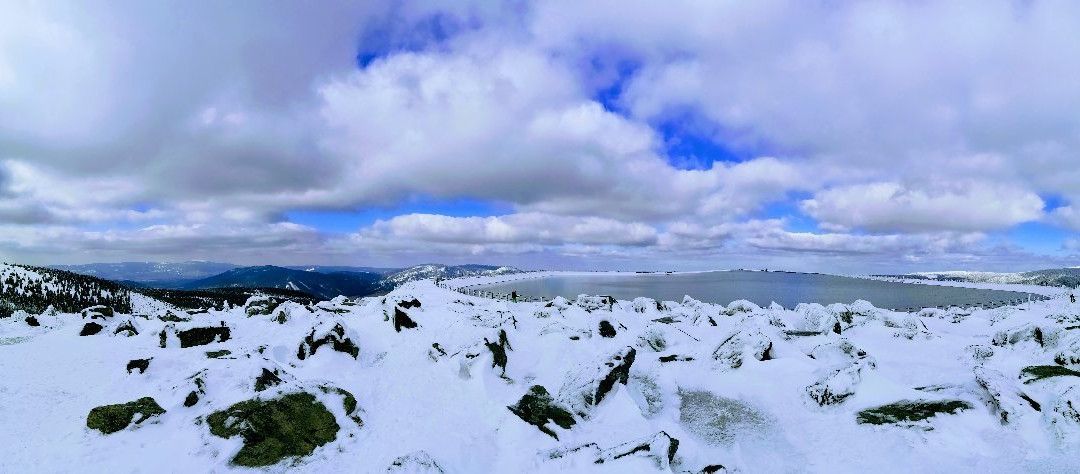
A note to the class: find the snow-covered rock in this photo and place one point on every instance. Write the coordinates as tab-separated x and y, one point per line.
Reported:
463	385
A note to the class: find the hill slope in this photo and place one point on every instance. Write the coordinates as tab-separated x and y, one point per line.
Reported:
424	272
149	271
1069	277
322	285
34	289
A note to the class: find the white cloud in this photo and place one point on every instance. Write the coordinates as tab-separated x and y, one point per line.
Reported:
527	228
950	206
915	128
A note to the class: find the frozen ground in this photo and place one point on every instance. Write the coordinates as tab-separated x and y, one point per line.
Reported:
643	386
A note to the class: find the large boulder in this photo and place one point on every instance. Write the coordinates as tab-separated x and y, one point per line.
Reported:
587	387
837	385
741	345
1029	332
112	418
1005	398
594	303
327	333
272	430
660	448
537	408
909	412
1064	419
193	336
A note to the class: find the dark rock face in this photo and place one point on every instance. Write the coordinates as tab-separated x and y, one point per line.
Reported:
413	303
89	329
266	380
293	425
218	354
335	337
675	358
620	372
606	329
907	411
402	320
586	388
32	321
141	364
498	351
112	418
203	336
191	399
537	408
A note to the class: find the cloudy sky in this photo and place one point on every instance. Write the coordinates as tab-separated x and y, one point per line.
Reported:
805	135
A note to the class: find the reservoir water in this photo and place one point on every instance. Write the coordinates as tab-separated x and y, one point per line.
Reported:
761	288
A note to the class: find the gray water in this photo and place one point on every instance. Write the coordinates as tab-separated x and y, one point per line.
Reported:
761	288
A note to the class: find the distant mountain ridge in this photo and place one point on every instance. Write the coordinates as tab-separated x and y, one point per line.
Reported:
322	285
320	281
143	272
328	284
1069	277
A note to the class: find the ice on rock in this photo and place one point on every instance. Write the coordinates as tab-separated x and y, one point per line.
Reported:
838	352
587	387
837	385
1004	397
1027	333
594	303
741	345
660	449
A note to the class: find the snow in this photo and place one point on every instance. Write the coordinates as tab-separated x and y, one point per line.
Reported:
741	391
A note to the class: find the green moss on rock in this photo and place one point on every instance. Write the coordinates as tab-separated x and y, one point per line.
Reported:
537	408
218	354
1038	372
112	418
906	411
290	426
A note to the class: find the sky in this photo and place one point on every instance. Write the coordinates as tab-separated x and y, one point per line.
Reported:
833	136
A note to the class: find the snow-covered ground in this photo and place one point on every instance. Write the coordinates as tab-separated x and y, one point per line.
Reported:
644	386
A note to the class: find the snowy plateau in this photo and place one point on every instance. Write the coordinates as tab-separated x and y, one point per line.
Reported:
427	380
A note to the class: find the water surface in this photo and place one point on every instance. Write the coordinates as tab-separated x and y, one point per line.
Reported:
761	288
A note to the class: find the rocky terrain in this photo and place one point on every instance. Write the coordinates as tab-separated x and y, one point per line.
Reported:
425	379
